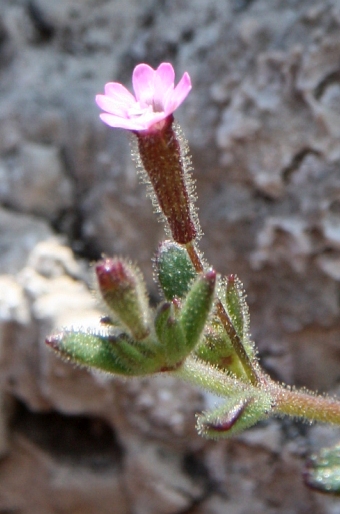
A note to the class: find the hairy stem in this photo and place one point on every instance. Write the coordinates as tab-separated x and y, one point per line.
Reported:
305	405
288	402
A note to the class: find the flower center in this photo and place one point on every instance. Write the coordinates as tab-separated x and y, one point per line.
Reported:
140	108
137	110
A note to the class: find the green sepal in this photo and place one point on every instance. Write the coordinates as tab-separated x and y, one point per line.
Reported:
215	348
322	471
241	411
174	270
197	307
170	334
111	353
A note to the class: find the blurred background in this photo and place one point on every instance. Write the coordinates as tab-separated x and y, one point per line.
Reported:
263	125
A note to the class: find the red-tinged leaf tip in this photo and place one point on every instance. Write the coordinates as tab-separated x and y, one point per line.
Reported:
226	424
164	307
210	275
231	279
54	341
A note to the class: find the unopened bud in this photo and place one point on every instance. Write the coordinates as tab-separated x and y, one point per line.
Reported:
175	271
123	290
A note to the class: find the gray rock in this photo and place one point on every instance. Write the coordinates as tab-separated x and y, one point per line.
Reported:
18	236
35	181
156	482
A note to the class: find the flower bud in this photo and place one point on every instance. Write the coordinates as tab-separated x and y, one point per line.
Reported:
123	291
175	271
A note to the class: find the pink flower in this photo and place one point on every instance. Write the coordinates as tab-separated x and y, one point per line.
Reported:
155	98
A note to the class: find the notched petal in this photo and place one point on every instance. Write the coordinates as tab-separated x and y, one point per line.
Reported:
142	80
164	77
179	94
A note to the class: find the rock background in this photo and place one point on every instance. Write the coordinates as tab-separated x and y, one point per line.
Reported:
263	124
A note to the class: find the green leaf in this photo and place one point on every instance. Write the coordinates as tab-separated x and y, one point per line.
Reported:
170	334
215	348
116	354
241	411
197	306
238	310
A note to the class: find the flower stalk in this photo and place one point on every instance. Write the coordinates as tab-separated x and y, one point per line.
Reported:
309	406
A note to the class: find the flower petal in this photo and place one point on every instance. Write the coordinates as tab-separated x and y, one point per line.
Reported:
155	98
112	106
164	76
163	83
142	82
118	122
118	92
178	95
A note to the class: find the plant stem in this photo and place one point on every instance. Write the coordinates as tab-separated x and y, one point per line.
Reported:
306	405
289	402
226	321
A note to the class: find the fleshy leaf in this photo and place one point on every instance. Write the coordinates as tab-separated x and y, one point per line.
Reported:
116	354
215	348
170	334
238	310
241	411
197	306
